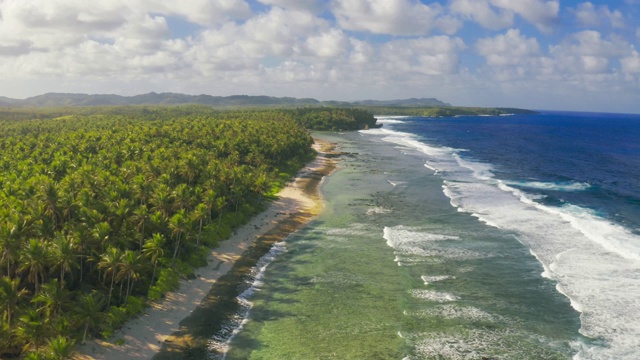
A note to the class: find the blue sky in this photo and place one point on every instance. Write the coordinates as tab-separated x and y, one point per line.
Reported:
541	54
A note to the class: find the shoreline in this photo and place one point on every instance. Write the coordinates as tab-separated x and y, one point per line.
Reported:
146	336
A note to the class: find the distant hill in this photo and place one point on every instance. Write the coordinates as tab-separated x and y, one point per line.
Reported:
413	102
63	99
152	98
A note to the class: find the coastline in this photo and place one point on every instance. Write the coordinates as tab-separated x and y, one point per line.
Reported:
143	337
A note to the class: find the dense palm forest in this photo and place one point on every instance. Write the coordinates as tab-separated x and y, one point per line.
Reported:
104	209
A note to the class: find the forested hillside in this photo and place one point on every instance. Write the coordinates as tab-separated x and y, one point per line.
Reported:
444	111
105	208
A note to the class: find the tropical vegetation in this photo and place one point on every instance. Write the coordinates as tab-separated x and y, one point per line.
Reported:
106	208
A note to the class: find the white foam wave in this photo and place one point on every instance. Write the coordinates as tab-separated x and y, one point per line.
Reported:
480	343
455	311
434	278
356	229
479	170
559	186
388	121
414	246
595	262
378	210
220	343
398	235
435	296
395	183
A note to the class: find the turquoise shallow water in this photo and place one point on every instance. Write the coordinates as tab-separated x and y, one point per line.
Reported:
392	271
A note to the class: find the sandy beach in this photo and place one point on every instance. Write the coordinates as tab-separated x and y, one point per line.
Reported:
143	337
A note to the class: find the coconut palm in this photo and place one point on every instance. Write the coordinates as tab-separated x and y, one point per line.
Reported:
140	218
110	262
100	233
154	249
162	200
11	297
52	298
59	348
49	195
64	255
199	214
88	312
32	330
34	260
178	224
129	269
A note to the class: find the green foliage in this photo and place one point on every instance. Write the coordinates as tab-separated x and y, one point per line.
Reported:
120	203
134	306
168	280
335	118
443	111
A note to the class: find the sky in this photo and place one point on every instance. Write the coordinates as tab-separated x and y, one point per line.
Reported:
536	54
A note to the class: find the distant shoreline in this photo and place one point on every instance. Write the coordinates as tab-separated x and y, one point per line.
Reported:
144	337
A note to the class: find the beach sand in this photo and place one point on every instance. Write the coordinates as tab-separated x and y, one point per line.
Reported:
143	337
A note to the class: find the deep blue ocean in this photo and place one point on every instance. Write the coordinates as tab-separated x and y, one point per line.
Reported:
567	186
585	159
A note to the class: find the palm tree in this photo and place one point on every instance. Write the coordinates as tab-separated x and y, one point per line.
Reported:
178	225
182	197
200	213
119	210
54	299
159	222
88	311
49	194
140	218
189	168
64	255
82	238
209	198
110	262
59	348
32	330
10	233
100	233
154	249
34	355
161	200
129	269
260	185
34	261
11	295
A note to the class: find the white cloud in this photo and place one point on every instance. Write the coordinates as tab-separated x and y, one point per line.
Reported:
589	15
362	52
499	14
583	63
541	13
437	55
203	12
591	43
295	48
395	17
483	13
509	49
631	63
308	5
330	44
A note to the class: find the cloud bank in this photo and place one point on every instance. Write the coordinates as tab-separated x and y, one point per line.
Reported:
528	53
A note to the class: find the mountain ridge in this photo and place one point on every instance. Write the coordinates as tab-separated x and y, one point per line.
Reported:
54	99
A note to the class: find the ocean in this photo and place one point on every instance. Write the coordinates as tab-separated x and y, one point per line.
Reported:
497	237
